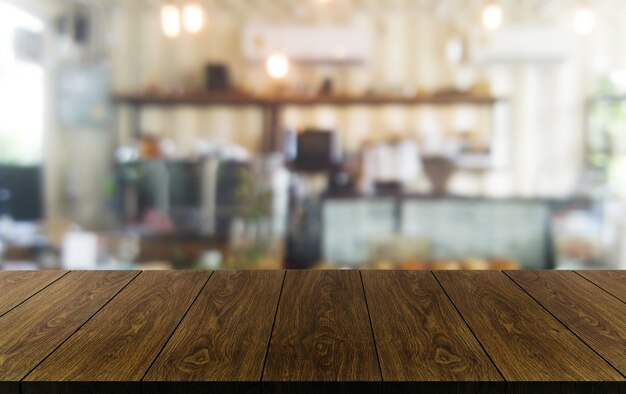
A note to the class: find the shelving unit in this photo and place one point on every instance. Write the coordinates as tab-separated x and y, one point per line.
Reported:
272	105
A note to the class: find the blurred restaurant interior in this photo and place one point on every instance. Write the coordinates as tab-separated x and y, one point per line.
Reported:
265	134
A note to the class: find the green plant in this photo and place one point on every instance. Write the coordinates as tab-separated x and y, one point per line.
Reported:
607	134
253	197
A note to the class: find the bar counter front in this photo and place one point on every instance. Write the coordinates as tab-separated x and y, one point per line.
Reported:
312	331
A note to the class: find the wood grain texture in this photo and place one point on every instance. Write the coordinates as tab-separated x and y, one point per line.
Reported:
613	282
525	342
35	328
419	335
322	330
17	286
299	332
224	336
121	341
592	314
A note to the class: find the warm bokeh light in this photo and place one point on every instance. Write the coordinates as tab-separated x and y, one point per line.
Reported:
170	20
193	18
492	16
277	66
584	20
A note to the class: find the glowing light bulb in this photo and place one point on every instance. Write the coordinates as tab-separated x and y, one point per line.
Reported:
170	20
193	18
492	16
277	66
584	20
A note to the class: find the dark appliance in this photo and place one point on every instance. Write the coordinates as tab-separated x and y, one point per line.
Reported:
217	77
315	151
21	192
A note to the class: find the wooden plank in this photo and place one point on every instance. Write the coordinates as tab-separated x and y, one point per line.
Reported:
120	342
35	328
223	338
613	282
322	333
420	336
595	316
525	342
17	286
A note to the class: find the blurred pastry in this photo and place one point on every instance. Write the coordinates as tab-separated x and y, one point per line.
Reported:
445	265
475	263
413	264
503	263
384	265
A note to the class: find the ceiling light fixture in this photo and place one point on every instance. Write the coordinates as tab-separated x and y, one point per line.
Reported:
584	20
170	20
193	18
492	16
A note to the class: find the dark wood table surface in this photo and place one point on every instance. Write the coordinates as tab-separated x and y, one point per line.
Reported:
312	331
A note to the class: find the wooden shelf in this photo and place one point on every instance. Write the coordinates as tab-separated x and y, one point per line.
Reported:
187	99
271	105
236	99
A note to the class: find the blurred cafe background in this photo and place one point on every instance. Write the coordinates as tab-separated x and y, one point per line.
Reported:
383	134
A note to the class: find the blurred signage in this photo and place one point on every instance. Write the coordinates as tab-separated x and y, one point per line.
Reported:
83	97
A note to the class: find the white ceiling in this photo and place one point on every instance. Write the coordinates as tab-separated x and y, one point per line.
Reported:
279	10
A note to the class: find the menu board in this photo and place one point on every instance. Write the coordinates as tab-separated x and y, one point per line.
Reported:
466	228
350	226
83	97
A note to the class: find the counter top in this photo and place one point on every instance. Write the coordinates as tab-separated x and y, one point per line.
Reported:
312	331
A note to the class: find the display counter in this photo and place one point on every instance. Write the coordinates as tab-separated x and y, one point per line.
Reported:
415	230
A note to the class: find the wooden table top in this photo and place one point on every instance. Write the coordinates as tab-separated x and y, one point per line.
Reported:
312	331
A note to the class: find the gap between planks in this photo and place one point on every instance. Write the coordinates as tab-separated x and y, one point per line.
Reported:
369	316
269	339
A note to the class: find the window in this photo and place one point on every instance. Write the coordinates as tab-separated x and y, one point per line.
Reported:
21	87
